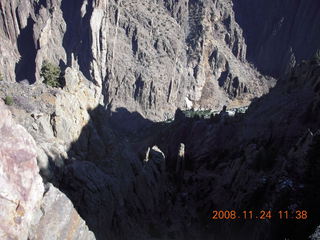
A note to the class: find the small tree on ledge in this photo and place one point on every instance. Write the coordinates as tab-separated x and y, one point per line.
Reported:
8	100
51	74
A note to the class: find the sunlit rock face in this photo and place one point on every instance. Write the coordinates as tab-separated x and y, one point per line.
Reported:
27	210
128	65
21	186
154	56
147	56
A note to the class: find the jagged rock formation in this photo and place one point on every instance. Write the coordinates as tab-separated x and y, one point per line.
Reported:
267	159
143	56
78	151
28	211
216	54
56	118
126	63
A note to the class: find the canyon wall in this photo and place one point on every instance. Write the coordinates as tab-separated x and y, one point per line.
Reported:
150	57
128	65
155	56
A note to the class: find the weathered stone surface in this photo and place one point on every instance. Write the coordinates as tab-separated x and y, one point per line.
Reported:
120	203
21	185
143	57
60	221
55	117
129	62
26	212
216	55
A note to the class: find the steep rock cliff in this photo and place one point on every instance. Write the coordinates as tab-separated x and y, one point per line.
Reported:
216	54
127	62
267	158
150	57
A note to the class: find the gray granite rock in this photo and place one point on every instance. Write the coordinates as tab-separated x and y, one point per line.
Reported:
142	56
59	220
21	185
27	210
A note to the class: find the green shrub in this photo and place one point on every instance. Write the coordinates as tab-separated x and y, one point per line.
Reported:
51	74
8	100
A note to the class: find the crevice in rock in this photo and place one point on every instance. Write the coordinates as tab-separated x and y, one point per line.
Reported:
77	39
25	68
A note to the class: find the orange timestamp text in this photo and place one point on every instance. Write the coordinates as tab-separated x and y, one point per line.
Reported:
259	215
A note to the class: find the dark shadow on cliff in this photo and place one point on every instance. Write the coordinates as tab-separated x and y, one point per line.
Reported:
91	176
272	28
230	163
25	68
77	40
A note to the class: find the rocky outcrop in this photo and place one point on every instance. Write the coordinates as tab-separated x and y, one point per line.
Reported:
216	55
28	211
127	65
120	201
114	190
265	159
21	185
55	117
143	57
59	219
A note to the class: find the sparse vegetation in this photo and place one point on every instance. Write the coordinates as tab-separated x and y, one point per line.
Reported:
51	74
8	100
1	77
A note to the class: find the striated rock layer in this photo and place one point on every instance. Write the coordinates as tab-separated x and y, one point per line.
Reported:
148	56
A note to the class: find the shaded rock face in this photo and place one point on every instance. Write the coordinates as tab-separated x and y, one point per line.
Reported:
275	31
27	210
265	159
150	57
119	198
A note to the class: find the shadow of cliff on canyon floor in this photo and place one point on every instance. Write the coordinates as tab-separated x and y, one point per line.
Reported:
265	159
101	171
